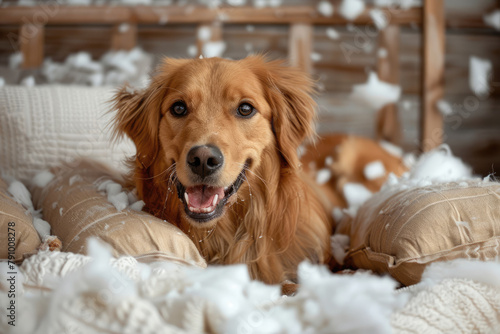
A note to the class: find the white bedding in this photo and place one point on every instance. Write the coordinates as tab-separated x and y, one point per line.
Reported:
98	294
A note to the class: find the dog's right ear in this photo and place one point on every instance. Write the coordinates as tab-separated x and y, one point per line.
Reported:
138	117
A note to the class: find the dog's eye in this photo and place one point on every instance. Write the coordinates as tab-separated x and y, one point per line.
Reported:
178	109
246	110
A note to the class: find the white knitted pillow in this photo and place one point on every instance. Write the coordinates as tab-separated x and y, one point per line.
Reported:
41	126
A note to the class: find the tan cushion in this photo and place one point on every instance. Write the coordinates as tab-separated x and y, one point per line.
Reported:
16	219
400	232
77	210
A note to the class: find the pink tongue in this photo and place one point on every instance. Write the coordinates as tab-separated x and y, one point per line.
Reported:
203	196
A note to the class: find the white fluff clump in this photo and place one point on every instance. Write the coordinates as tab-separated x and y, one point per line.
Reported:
479	75
355	194
493	19
28	81
323	176
374	170
213	49
325	8
339	244
487	272
404	4
42	227
2	82
42	179
21	195
15	60
116	195
204	33
351	9
440	165
379	18
444	107
374	93
332	33
391	148
113	68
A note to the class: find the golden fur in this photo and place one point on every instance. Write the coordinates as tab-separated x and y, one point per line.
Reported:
275	219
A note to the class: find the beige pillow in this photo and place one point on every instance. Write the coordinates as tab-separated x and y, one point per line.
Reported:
400	232
17	235
77	210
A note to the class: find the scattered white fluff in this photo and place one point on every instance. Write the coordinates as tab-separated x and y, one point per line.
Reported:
374	170
355	194
339	245
315	56
214	49
439	165
404	4
374	93
493	19
332	33
328	161
204	33
42	179
487	272
479	74
113	68
42	227
236	3
337	214
120	200
266	3
192	51
74	179
137	206
21	194
2	82
382	53
123	28
444	107
116	195
28	81
323	176
379	18
351	9
16	60
325	8
113	188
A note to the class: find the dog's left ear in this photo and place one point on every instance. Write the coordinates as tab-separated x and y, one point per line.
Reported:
289	93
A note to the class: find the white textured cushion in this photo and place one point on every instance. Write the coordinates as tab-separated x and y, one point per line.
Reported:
41	126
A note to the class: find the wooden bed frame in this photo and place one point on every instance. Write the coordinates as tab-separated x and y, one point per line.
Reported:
300	19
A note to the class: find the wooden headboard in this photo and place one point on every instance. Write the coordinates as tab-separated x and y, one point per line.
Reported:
301	21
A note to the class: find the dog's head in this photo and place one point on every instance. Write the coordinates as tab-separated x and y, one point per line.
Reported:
206	123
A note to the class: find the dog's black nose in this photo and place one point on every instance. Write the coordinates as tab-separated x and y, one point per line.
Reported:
205	160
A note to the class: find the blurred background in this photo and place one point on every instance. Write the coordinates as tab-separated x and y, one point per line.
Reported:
440	60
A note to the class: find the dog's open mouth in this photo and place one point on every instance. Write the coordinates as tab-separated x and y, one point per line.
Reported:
203	203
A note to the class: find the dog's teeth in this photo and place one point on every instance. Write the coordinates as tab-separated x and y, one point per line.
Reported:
216	197
186	197
192	209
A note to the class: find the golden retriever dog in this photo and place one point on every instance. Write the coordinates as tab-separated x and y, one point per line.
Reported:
217	144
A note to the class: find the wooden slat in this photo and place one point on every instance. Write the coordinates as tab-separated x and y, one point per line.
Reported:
215	31
31	44
124	36
192	15
300	46
433	56
387	125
